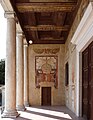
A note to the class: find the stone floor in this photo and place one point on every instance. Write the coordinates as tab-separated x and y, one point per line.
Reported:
46	113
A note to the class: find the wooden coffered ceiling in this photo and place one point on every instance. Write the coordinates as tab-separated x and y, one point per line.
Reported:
46	21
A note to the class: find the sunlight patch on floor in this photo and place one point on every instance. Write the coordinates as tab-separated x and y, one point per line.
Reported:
31	116
6	118
49	112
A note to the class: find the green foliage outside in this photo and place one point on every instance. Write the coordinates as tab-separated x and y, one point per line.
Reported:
2	71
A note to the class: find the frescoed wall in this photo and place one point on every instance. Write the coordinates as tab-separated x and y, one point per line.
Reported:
46	69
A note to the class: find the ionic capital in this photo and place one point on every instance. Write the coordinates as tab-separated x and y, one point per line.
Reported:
11	14
20	33
25	43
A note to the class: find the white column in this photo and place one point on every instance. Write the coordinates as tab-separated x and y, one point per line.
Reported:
20	72
10	67
26	92
77	83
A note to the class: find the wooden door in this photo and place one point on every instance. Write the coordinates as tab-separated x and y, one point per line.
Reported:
91	81
46	96
85	70
87	83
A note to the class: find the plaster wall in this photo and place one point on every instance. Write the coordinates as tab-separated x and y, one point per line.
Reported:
57	94
71	57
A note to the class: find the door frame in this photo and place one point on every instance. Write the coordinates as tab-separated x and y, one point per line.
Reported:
82	38
50	84
43	94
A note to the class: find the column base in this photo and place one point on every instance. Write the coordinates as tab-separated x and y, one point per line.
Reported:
10	114
21	108
26	104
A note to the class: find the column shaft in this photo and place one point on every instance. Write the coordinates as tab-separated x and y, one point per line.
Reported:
26	76
20	73
10	68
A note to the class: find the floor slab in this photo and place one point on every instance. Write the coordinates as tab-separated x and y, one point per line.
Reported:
46	113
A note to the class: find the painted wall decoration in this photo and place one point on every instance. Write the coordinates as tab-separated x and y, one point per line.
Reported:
46	70
46	50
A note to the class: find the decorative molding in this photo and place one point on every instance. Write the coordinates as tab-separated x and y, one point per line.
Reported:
51	1
46	28
84	32
40	7
10	14
46	50
25	42
20	33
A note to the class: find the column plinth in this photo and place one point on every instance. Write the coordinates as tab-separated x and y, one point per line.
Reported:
10	68
10	114
20	107
26	104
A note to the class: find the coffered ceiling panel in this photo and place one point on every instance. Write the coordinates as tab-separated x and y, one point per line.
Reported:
46	21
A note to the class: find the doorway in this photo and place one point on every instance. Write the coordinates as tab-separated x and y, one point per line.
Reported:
46	96
87	82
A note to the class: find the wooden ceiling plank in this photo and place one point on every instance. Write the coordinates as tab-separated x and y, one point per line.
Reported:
48	42
32	19
45	1
34	35
40	7
46	28
52	39
58	21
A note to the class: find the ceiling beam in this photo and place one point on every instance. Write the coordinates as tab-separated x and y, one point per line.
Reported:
46	28
52	39
58	20
48	42
49	1
34	33
45	7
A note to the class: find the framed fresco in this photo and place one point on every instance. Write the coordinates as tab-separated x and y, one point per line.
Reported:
46	70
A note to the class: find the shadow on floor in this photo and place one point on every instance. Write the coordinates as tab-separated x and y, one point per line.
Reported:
46	113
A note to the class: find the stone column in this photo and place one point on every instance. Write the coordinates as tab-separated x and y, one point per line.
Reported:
26	103
20	72
10	67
